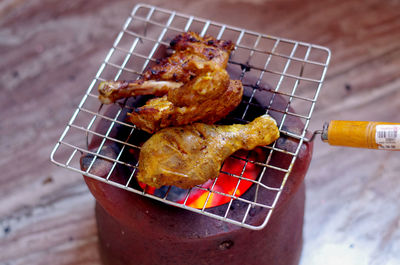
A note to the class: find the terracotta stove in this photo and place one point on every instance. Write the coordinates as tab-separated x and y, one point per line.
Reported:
261	189
135	230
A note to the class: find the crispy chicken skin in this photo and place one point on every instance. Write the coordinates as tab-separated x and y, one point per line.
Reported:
208	97
191	85
185	156
160	112
188	47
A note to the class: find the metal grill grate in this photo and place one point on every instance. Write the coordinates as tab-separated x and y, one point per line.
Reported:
270	68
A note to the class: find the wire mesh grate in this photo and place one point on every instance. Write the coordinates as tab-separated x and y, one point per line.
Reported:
278	75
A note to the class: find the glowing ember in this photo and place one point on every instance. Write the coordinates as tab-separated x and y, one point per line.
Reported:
227	184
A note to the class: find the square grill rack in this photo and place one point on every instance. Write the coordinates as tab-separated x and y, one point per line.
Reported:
266	65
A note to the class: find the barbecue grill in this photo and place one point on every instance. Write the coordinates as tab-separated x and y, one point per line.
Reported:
225	219
273	70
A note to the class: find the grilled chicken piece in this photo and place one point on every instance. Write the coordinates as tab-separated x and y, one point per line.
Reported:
188	47
186	156
160	112
192	85
208	97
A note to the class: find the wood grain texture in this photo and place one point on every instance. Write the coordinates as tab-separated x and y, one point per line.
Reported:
50	50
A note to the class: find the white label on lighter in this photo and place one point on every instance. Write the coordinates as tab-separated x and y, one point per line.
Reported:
388	136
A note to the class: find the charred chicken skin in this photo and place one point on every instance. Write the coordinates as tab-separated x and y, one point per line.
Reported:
208	97
190	85
185	156
190	47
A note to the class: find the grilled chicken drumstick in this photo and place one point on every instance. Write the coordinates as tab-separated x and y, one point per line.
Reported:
190	85
186	156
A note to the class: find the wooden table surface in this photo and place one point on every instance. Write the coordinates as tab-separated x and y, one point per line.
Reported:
50	51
